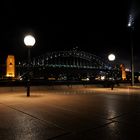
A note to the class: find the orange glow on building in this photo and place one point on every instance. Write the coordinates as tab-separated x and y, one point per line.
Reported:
123	72
10	66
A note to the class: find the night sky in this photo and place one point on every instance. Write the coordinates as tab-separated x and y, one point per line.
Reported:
96	27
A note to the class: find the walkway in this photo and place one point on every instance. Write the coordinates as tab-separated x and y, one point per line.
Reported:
70	114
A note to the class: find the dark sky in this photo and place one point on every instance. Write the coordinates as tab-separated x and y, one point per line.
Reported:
96	27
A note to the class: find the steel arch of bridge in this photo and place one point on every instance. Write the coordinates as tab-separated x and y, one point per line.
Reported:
68	66
79	59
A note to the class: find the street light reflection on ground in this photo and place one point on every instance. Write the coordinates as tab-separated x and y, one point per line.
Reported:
29	41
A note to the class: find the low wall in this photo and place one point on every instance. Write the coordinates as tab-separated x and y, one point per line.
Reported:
42	88
56	87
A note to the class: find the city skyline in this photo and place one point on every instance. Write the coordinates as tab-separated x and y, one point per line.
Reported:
97	28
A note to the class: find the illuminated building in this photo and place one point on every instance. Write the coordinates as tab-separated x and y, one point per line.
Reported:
123	72
10	66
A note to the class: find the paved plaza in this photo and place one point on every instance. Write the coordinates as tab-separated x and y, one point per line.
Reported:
70	113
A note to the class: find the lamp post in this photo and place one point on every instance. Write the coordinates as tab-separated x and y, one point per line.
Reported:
132	52
29	41
132	63
111	57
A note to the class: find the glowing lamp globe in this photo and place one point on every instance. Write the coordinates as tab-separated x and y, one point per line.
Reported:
111	57
29	40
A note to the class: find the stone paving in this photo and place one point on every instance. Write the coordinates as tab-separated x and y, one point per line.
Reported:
62	113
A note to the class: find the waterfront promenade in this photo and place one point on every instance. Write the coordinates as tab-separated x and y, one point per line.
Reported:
70	113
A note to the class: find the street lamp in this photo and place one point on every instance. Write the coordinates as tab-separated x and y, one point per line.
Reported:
132	62
111	57
131	27
29	41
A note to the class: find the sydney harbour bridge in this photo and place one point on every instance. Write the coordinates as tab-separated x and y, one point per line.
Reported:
68	65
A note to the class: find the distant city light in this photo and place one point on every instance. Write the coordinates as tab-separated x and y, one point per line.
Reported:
102	77
111	57
127	69
85	79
